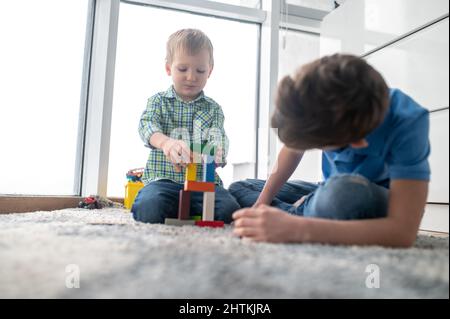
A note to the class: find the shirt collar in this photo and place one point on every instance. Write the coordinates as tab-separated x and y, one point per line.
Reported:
170	93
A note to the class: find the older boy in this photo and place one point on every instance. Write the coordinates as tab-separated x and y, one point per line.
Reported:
171	122
375	161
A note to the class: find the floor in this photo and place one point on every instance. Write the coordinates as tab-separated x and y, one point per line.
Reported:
76	253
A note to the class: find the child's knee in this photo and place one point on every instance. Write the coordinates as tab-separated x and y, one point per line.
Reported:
225	212
344	197
149	210
236	187
225	206
146	214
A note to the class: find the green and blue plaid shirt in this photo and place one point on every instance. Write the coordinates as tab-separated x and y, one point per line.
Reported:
194	121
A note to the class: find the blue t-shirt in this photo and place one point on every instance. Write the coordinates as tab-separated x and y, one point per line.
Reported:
398	148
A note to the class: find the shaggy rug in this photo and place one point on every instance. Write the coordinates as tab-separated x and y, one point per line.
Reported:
76	253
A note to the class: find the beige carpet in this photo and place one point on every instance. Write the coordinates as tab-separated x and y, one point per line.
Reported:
112	256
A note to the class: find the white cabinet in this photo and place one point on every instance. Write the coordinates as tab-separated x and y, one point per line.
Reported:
418	65
435	218
359	26
439	159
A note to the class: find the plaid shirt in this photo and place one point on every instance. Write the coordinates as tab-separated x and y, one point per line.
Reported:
198	120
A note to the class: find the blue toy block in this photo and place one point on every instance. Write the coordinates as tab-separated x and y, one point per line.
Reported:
209	168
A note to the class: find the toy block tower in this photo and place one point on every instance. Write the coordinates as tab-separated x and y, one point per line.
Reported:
206	186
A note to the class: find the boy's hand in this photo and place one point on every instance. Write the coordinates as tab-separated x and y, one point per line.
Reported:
177	152
265	223
218	158
300	201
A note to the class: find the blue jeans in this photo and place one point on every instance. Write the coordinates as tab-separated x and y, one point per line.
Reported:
343	197
158	200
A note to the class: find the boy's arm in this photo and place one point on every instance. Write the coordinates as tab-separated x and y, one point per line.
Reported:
151	133
175	150
407	201
150	121
285	166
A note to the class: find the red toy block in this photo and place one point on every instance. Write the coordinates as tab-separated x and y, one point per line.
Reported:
184	204
199	186
209	223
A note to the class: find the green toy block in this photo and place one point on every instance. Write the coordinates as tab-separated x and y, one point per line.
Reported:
203	148
196	217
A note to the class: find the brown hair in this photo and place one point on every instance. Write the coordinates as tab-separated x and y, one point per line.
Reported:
190	41
333	101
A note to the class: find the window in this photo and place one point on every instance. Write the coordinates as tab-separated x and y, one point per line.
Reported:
139	74
244	3
297	48
41	63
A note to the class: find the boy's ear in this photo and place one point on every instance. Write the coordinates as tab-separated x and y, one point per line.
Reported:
210	71
168	69
360	144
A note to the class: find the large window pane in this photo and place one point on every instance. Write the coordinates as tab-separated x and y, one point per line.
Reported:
245	3
41	63
139	74
296	49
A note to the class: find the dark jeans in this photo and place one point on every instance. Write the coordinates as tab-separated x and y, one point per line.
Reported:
159	200
343	196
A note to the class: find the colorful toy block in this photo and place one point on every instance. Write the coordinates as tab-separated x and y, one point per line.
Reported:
215	223
208	206
207	154
203	148
179	222
209	168
131	191
191	172
184	204
194	186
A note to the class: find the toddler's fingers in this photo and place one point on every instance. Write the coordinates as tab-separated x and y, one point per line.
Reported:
177	168
186	156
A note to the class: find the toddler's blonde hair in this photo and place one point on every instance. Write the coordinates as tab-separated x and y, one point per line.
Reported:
190	41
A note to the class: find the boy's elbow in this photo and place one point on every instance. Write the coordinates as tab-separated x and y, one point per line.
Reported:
404	240
405	243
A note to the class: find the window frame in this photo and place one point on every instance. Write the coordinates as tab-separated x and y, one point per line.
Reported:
96	95
98	122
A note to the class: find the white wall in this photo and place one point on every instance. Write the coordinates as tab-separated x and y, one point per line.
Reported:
359	26
407	41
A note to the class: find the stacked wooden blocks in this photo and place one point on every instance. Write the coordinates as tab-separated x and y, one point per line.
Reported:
207	187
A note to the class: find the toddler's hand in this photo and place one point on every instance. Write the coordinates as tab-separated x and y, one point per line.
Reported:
177	152
218	158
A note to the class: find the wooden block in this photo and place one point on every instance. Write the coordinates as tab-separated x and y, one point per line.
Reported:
216	223
191	172
208	206
184	204
199	186
209	168
179	222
